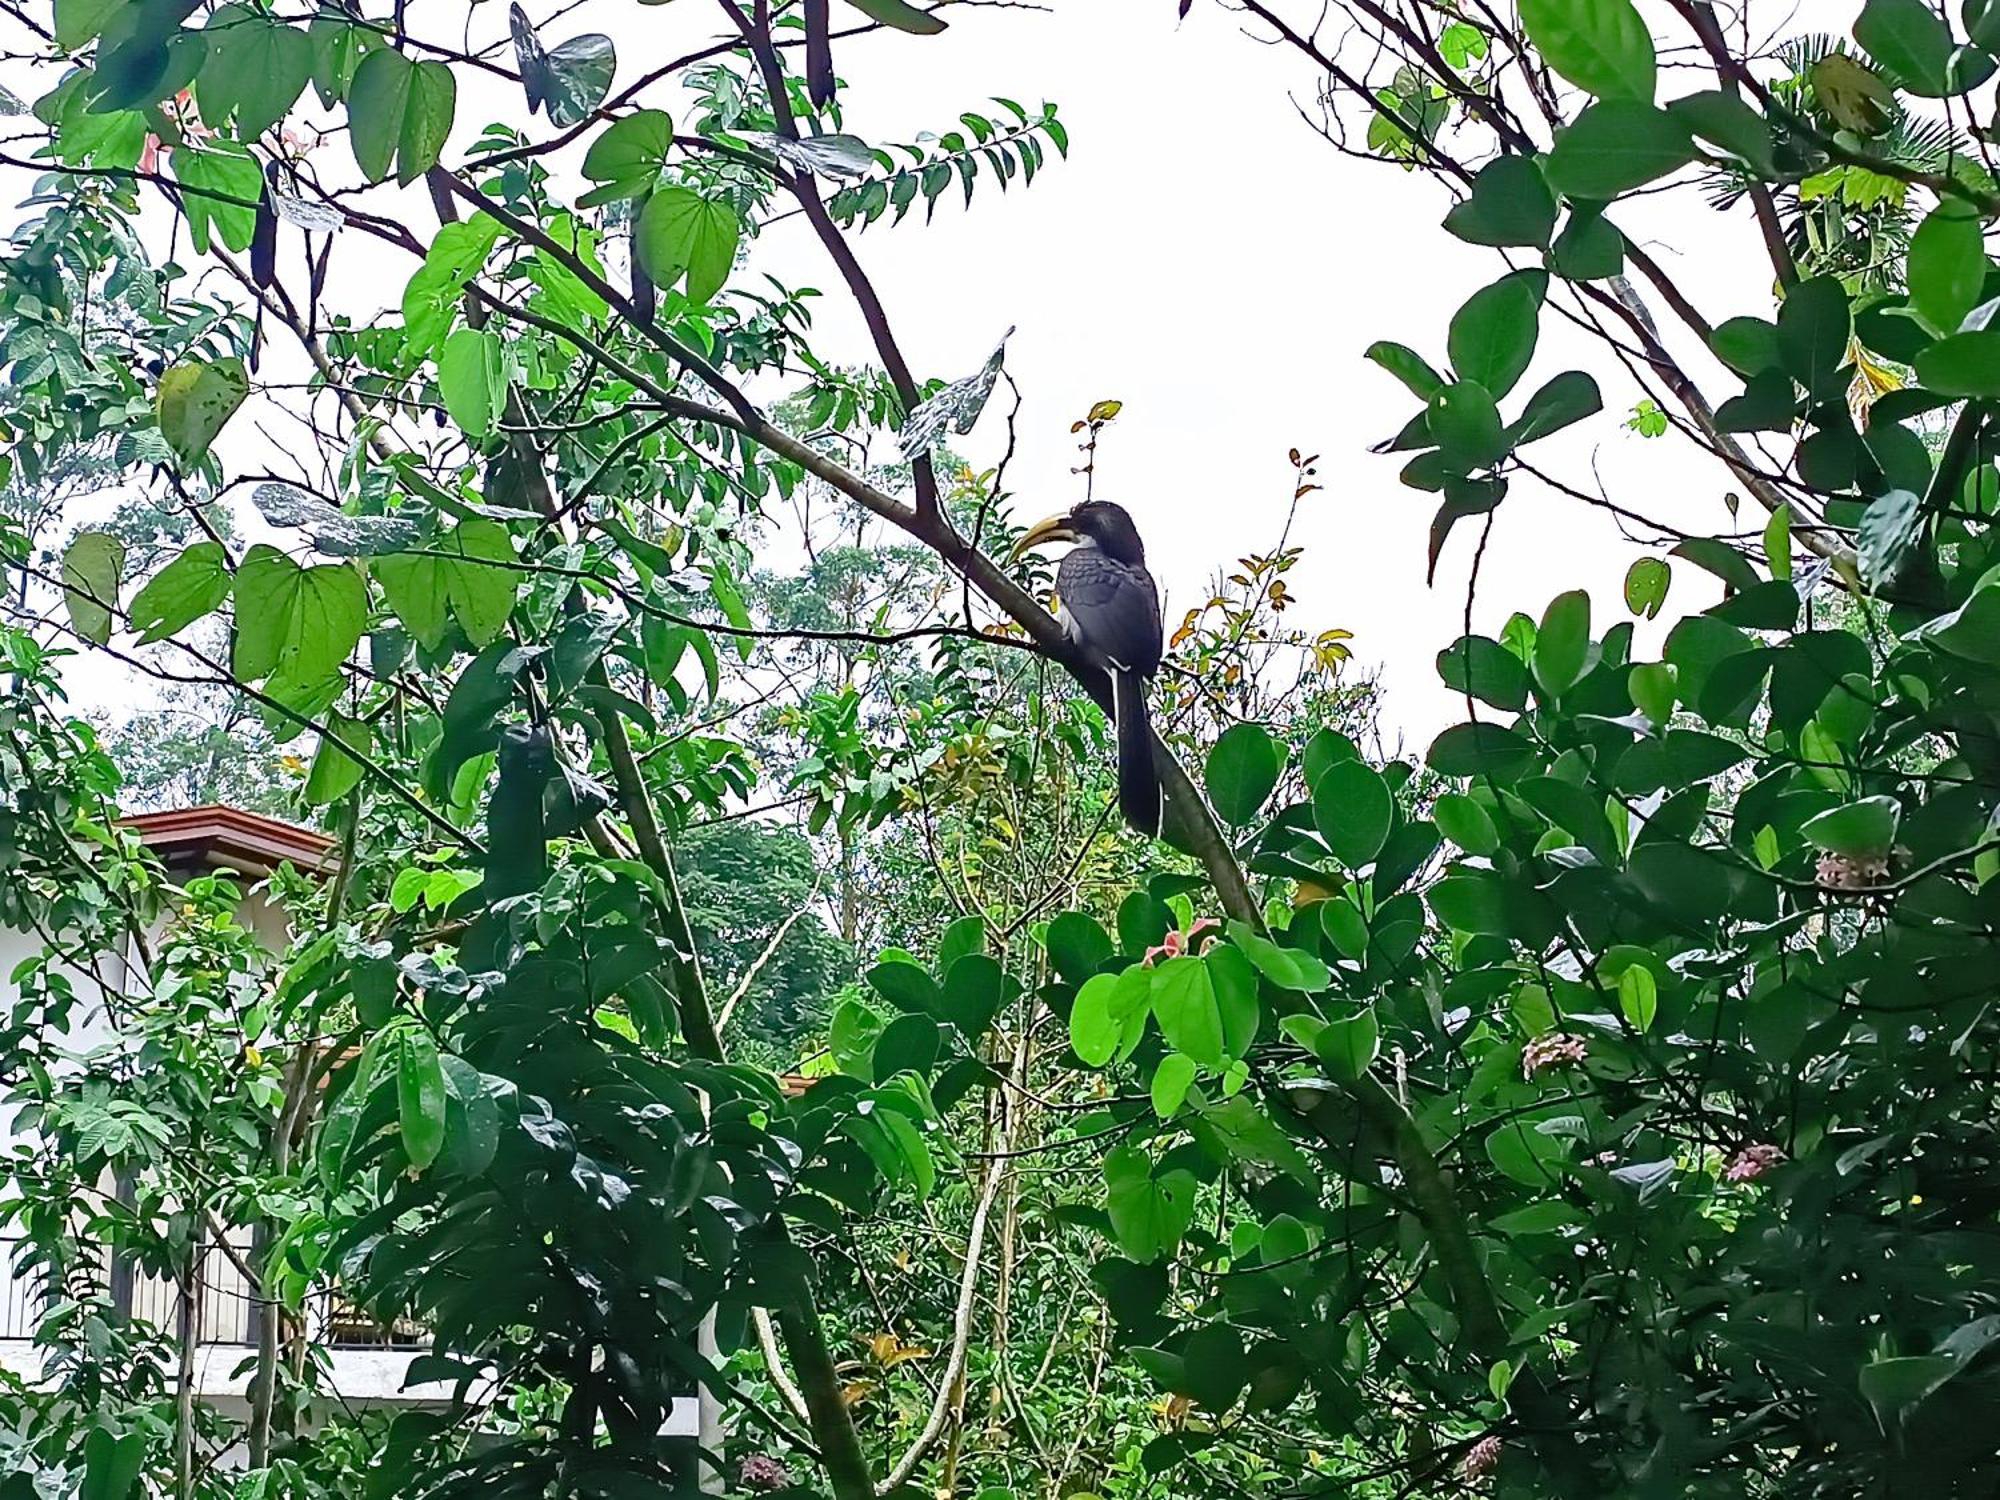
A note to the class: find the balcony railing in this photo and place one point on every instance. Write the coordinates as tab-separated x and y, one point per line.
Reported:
227	1309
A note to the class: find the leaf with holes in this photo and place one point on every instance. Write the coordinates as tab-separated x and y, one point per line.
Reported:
92	566
194	402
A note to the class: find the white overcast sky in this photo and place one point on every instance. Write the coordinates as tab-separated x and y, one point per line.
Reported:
1207	259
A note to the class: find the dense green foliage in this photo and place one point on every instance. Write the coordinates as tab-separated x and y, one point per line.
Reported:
1603	1105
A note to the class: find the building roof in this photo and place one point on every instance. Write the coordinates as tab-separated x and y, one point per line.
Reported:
228	837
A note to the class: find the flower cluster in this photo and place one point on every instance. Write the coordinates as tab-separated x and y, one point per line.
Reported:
1174	944
1556	1050
1841	872
762	1472
1481	1459
1751	1163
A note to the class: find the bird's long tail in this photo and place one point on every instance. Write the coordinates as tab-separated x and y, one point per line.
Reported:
1138	783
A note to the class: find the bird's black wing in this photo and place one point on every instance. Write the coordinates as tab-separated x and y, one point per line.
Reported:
1112	608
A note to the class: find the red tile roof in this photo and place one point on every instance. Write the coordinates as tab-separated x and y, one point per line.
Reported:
247	842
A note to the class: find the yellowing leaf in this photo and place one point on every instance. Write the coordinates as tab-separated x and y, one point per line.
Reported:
1852	94
194	401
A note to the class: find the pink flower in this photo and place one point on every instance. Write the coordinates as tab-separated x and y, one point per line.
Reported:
1555	1050
1751	1163
1481	1459
1174	944
1840	872
762	1472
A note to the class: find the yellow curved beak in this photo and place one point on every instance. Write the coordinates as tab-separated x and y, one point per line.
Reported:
1054	529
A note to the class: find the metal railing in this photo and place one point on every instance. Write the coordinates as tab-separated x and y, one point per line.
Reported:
227	1309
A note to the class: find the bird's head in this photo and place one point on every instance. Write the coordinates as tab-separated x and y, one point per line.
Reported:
1094	523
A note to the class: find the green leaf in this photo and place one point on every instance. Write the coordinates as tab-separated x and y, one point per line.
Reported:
907	986
1184	1005
1094	1028
427	117
900	15
1465	423
1749	346
964	937
1234	980
1485	669
334	772
1966	364
1348	1047
221	186
293	622
974	988
1768	404
1467	824
1639	997
471	380
1479	750
1860	830
1893	1387
1568	398
1149	1215
908	1044
1888	532
1353	809
1243	767
679	232
1599	45
338	48
1078	946
92	566
465	572
628	157
1615	146
256	69
194	401
1171	1080
1407	366
1723	119
1287	968
1493	335
1248	1133
1778	543
420	1097
1909	41
1474	902
1646	584
376	100
1547	1217
79	21
1652	687
1510	204
1814	325
1947	265
1527	1155
1562	644
1590	248
193	585
112	1463
399	112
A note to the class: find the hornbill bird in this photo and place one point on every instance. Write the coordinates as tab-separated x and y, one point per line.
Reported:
1111	609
